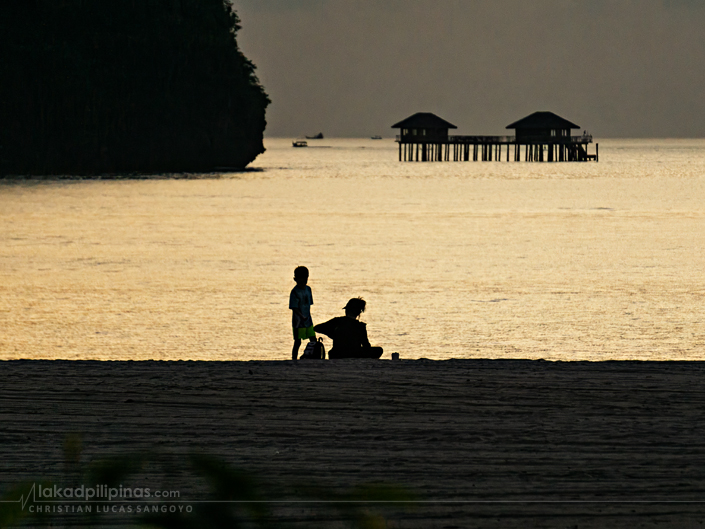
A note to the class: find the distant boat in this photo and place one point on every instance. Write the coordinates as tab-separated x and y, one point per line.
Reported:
318	136
299	143
376	138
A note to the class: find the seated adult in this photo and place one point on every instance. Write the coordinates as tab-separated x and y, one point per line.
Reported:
349	334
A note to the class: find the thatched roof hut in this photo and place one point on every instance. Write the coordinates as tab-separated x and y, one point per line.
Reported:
424	126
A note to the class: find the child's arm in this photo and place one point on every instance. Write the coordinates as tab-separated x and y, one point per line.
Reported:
298	319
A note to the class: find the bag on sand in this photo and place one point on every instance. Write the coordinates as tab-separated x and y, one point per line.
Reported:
314	351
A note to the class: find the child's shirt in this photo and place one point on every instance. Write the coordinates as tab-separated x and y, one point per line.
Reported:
301	298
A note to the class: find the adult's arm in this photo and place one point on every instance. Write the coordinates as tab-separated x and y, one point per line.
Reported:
365	340
327	328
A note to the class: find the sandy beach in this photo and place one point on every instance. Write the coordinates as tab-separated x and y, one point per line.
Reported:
478	443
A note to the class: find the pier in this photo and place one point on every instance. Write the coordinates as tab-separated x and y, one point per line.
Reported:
540	137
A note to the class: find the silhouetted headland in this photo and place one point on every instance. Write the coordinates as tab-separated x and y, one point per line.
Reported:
117	87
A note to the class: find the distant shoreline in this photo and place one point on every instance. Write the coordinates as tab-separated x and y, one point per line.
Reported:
137	176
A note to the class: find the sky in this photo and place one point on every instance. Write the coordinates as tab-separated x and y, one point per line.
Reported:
353	68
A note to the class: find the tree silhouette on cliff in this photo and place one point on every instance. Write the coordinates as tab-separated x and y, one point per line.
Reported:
115	86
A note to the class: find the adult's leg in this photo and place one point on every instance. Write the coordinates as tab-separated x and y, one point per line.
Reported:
372	352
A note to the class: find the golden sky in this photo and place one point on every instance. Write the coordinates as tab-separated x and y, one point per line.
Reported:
618	68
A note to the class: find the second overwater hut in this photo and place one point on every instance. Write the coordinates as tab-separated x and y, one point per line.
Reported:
546	137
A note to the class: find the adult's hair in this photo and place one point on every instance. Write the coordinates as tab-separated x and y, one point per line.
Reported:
300	272
355	306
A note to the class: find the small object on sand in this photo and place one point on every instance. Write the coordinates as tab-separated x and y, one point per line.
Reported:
395	356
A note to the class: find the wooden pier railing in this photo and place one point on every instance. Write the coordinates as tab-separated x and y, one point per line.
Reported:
497	140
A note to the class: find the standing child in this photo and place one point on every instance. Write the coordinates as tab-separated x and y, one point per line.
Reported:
300	301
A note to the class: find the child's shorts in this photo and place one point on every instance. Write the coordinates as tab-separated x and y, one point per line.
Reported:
304	333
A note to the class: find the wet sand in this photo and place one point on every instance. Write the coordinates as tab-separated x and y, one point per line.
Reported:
480	443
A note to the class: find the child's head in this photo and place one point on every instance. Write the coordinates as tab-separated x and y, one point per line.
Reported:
301	275
355	307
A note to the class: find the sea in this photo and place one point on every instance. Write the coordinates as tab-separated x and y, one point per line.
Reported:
502	260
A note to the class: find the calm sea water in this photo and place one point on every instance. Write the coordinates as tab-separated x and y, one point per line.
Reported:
562	261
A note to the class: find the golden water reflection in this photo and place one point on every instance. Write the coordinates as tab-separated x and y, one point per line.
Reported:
495	260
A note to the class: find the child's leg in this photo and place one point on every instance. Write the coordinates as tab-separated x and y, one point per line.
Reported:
310	334
295	350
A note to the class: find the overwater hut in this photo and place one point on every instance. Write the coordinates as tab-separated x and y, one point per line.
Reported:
424	132
547	133
424	126
543	136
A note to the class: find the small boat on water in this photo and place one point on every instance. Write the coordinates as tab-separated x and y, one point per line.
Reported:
376	138
318	136
299	143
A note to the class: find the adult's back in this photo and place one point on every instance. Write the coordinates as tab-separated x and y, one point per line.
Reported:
349	334
349	338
